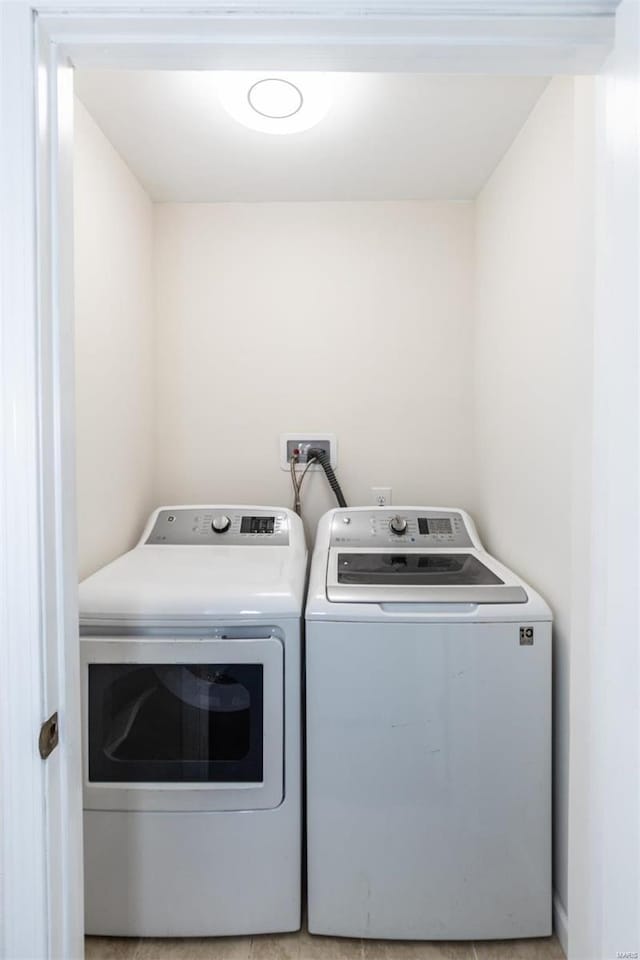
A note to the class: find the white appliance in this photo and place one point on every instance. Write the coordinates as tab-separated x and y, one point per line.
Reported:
191	688
428	690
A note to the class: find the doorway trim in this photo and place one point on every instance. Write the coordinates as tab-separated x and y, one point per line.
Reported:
541	37
41	801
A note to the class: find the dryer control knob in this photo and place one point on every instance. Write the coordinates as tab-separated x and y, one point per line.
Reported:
220	524
398	525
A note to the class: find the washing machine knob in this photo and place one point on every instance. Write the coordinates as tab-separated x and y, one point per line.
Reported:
398	525
220	524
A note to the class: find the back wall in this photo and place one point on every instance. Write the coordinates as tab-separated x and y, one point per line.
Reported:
353	318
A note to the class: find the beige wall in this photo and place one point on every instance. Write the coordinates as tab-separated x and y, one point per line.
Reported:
531	347
114	348
353	318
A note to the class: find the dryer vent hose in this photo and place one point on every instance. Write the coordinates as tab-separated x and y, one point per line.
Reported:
323	459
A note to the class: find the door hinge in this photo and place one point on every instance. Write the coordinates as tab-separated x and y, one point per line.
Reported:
48	739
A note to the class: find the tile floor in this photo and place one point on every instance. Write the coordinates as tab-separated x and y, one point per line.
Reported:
301	946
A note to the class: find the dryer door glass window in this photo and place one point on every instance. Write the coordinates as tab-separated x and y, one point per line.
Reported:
174	723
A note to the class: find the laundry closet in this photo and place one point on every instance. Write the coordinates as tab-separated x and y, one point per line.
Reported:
404	275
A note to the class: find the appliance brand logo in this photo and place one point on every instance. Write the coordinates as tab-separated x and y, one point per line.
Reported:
526	636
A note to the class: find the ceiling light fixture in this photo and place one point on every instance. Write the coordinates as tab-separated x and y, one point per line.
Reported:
275	98
287	103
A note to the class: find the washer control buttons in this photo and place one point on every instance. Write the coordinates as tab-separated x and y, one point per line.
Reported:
220	524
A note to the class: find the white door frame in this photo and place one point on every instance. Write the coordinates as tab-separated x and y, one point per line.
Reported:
40	849
604	803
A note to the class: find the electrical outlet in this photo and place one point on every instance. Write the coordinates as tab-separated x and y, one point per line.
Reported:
299	443
381	496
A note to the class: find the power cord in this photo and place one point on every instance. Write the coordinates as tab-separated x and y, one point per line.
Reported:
323	459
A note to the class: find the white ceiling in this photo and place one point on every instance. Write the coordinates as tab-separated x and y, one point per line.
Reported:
385	137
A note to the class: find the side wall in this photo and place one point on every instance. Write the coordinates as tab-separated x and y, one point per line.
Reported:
532	393
114	348
353	318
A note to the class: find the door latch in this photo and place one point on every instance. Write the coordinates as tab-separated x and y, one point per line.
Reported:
48	739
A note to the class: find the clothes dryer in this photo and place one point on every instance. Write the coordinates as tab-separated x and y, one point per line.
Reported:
190	656
428	692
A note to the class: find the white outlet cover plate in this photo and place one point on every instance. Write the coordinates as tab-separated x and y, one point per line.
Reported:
305	437
377	492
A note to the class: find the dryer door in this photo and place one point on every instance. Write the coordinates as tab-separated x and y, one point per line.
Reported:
183	724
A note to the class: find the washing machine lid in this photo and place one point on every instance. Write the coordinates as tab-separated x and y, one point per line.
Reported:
196	576
415	576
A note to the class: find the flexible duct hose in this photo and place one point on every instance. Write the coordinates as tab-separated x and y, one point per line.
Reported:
325	463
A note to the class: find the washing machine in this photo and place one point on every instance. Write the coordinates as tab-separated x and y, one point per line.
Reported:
428	699
191	692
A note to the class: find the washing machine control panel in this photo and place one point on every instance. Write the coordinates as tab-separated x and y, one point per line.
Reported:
406	528
217	526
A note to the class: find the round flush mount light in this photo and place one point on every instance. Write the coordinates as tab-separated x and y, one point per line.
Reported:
286	103
275	98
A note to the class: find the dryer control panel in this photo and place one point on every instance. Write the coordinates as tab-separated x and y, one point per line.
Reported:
220	526
406	528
